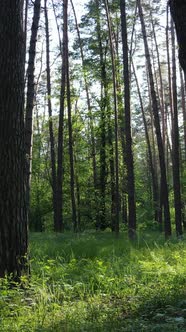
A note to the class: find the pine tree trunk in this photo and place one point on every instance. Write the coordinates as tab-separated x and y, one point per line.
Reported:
161	84
152	170
101	217
51	131
25	23
176	145
71	153
164	185
178	12
60	168
89	106
31	96
116	196
183	102
129	152
13	207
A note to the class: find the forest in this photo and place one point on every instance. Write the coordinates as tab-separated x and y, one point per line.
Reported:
92	165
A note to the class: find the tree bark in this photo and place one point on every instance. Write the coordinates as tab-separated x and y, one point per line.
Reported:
116	213
50	123
31	96
101	217
71	149
60	168
176	144
128	134
178	12
89	106
13	208
164	186
152	168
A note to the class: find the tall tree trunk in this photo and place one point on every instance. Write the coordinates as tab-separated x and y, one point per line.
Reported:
178	12
31	96
183	162
117	198
101	217
13	207
161	83
183	102
129	152
71	153
50	122
169	65
60	168
25	23
89	106
176	145
153	173
164	185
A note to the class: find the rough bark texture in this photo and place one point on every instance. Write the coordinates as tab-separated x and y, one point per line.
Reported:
183	102
129	153
116	213
152	169
101	217
89	106
176	144
60	223
70	129
178	12
13	211
31	95
51	131
157	127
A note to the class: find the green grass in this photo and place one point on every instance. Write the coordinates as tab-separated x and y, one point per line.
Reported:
94	282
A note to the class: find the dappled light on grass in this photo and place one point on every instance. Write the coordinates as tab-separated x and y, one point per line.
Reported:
93	282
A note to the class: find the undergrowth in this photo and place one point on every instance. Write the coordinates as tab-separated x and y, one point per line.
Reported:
94	282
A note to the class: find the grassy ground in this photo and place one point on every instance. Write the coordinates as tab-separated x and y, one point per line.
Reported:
94	282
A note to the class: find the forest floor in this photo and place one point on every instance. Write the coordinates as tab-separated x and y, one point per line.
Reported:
94	282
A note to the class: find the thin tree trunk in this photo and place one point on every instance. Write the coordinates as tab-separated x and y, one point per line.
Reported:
117	198
71	153
101	217
169	66
50	122
31	96
129	152
60	222
25	23
161	83
152	170
183	102
58	28
93	153
157	127
176	145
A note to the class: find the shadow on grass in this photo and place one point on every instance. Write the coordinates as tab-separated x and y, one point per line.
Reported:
154	315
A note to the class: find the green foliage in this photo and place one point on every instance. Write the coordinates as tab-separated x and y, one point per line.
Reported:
93	282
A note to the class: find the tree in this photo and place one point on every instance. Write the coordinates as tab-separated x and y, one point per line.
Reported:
13	209
164	186
178	12
150	156
70	133
51	130
116	198
128	135
60	167
176	144
31	95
